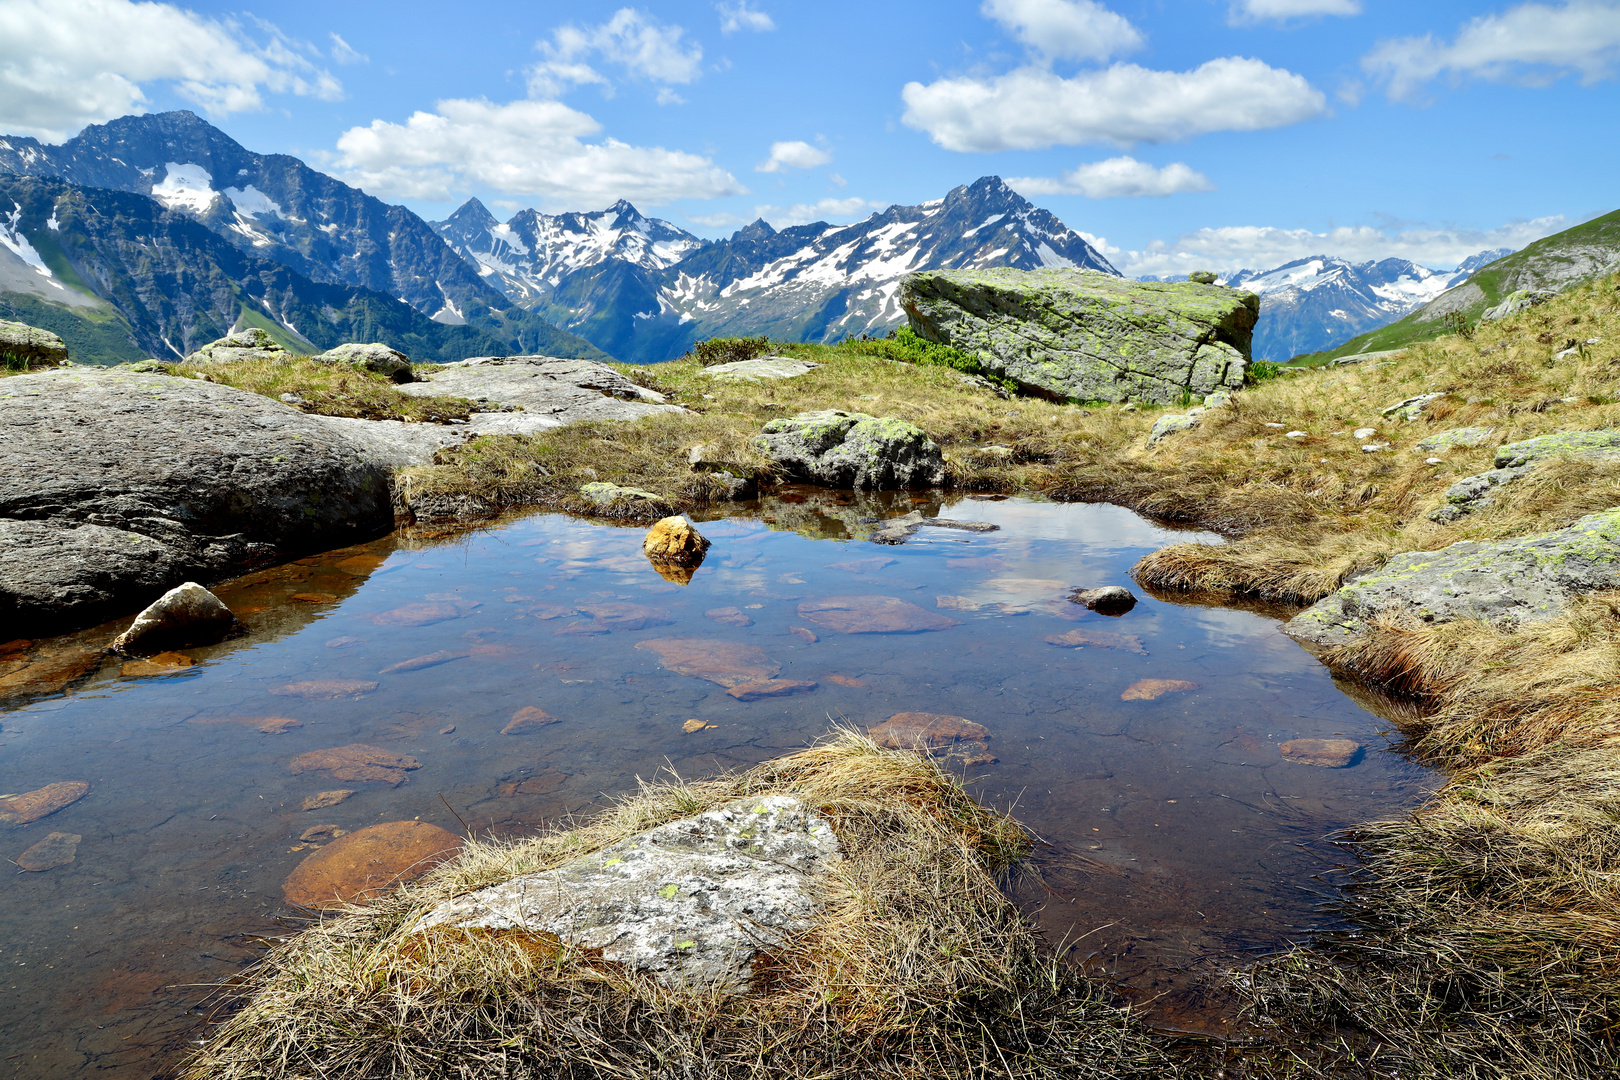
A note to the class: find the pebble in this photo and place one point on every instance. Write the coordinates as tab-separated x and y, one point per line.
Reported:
1323	753
322	799
368	863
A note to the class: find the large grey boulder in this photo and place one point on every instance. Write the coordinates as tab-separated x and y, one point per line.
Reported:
691	902
376	358
1516	460
116	487
1504	583
841	449
249	344
1087	335
543	391
23	346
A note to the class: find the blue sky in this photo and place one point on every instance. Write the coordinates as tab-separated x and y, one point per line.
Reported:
1223	133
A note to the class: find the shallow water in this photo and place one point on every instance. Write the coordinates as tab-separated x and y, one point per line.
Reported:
1180	840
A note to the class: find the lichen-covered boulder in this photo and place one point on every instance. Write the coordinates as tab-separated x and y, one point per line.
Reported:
691	903
250	344
376	358
23	346
1504	583
840	449
1087	335
1515	460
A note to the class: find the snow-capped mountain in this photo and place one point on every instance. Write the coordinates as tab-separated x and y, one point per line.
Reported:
625	282
1315	303
527	257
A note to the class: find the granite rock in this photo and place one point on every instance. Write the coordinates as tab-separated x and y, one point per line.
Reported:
184	616
840	449
376	358
23	346
250	344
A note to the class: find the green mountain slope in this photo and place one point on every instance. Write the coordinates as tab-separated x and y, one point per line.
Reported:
1554	263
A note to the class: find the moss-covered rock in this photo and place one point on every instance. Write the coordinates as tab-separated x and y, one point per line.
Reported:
841	449
23	346
1086	335
1517	459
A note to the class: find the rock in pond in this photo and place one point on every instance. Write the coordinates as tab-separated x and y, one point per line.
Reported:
250	344
376	358
731	616
23	346
724	663
184	616
1323	753
358	762
121	486
839	449
1086	334
625	616
768	688
49	672
527	719
673	540
873	615
367	863
323	799
164	663
1152	689
41	802
955	736
1503	583
1108	600
1079	639
57	849
691	902
326	689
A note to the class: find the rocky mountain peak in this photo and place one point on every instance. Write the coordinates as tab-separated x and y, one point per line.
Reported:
474	215
758	229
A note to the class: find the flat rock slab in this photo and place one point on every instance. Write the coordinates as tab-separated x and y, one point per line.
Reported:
1503	583
1099	639
549	389
952	736
121	486
1088	335
41	802
368	863
57	849
1153	689
692	903
873	615
357	762
1323	753
724	663
763	367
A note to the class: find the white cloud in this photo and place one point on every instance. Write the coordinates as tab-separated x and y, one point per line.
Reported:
632	40
848	209
1031	108
1531	43
68	63
344	53
1120	177
739	16
716	221
793	155
1071	29
1260	247
535	149
1253	10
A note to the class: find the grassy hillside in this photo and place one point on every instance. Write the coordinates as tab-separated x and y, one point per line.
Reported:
1556	262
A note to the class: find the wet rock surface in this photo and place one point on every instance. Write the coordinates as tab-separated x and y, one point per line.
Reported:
1152	689
840	449
899	530
1323	753
357	762
954	736
724	663
873	615
326	689
1089	335
57	849
48	672
323	799
692	903
1108	600
1504	583
367	863
528	719
769	688
187	614
121	486
30	806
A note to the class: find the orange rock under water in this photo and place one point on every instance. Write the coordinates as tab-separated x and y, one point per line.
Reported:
1101	639
56	849
673	540
322	799
958	736
753	691
164	663
1323	753
1148	689
528	719
724	663
325	689
368	863
50	673
872	615
357	762
42	802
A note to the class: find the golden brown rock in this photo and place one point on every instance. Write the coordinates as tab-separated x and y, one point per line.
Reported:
753	691
322	799
320	834
368	863
1148	689
42	802
675	542
957	736
164	663
56	849
1323	753
358	762
693	726
322	689
528	719
1101	639
872	615
417	663
724	663
804	634
50	673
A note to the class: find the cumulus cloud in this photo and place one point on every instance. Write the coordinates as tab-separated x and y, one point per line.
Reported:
344	53
1031	108
1254	10
793	155
1260	247
68	63
739	16
535	149
631	40
1530	43
849	209
1120	177
1066	29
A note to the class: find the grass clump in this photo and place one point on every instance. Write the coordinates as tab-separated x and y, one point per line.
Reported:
329	389
728	350
916	964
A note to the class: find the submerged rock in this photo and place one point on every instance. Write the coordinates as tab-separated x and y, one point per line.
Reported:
41	802
326	689
164	663
1108	600
1503	583
674	541
731	616
899	530
376	358
766	688
50	672
691	902
250	344
527	719
323	799
57	849
1088	335
839	449
873	615
1150	689
358	762
23	346
368	863
724	663
1323	753
1078	639
956	736
625	616
184	616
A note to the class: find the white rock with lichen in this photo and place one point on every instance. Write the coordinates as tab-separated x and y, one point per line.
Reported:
691	902
186	614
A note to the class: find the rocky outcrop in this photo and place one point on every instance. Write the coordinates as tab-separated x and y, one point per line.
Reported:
23	347
1088	336
762	367
691	902
120	486
1516	460
184	616
1504	583
376	358
249	344
840	449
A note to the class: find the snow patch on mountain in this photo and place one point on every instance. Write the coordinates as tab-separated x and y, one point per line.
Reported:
15	241
188	187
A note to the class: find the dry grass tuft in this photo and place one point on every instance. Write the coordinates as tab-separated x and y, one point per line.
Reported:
329	389
916	965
